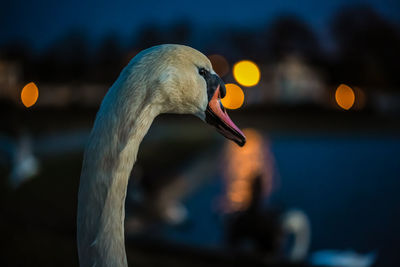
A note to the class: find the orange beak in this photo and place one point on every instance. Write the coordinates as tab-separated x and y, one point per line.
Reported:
216	115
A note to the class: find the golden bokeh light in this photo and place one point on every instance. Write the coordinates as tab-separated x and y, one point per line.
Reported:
246	73
234	97
219	64
345	96
29	94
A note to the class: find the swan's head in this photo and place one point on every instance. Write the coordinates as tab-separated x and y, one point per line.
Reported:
185	82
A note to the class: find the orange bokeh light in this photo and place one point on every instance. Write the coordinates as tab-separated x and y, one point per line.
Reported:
220	64
234	97
29	94
345	96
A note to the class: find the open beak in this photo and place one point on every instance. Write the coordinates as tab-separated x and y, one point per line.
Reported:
216	115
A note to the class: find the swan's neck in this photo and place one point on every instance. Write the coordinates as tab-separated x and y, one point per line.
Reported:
109	157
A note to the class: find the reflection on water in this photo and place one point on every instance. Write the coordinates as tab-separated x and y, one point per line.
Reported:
338	181
242	165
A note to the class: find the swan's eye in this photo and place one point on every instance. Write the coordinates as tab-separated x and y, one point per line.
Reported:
202	71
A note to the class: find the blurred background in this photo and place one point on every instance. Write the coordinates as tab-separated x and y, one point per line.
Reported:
314	84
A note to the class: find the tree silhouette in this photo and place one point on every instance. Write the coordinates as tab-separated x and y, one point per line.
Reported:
244	42
179	33
108	60
368	48
290	35
148	36
66	59
21	53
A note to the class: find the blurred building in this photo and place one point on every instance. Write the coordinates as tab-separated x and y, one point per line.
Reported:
50	94
10	76
294	82
290	81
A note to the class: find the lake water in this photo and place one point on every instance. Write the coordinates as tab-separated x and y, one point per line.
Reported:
348	185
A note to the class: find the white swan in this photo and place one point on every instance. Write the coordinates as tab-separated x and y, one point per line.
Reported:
161	79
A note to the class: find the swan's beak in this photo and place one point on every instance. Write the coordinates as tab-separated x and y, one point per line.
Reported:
216	115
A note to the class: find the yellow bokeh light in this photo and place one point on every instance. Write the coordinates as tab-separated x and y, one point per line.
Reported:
246	73
29	94
345	96
234	96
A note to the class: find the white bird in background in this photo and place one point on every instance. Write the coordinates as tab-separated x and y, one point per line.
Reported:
24	163
161	79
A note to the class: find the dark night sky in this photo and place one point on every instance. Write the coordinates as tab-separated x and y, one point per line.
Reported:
41	22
